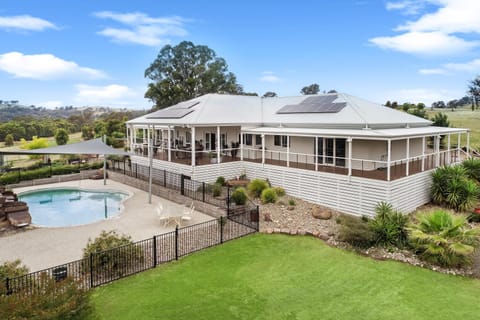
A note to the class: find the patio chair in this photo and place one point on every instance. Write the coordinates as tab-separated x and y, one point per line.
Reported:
164	220
187	214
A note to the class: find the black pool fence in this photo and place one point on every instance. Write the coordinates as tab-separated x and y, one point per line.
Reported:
110	265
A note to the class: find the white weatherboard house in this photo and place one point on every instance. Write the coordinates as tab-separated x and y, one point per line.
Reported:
334	149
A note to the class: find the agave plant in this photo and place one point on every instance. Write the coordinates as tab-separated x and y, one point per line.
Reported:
451	187
442	238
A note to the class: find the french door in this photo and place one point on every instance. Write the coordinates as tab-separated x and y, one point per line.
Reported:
331	151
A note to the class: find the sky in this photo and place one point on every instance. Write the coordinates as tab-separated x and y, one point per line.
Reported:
90	52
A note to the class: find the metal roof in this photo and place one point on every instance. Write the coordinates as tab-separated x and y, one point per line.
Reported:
220	109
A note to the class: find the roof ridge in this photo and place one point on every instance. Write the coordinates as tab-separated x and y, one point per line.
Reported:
354	107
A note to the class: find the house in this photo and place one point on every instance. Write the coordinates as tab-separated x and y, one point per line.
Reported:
333	149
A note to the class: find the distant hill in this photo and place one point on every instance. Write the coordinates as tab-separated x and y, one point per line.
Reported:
10	110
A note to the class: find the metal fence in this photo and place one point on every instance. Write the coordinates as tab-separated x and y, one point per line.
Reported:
110	265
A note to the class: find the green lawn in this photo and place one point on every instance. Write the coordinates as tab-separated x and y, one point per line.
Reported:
286	277
464	118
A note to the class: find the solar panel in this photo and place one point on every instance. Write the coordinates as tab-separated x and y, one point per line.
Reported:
170	113
177	111
315	104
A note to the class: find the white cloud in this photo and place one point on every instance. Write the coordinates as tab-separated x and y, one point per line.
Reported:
269	76
432	71
51	104
437	33
425	43
469	67
113	94
25	22
410	7
141	28
44	67
425	95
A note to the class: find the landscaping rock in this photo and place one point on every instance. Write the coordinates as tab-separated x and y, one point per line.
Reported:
319	213
267	217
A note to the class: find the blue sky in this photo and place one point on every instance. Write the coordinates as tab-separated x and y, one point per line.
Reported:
55	53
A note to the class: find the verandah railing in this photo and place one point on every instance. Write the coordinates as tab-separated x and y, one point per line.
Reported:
110	265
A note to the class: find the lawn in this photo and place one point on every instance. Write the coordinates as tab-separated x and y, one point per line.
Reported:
463	118
287	277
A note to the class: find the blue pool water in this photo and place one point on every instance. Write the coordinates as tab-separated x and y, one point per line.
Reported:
69	207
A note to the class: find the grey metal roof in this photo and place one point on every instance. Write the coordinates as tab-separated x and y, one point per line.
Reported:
219	109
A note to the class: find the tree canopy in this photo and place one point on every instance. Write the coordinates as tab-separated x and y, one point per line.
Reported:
269	94
186	71
61	136
311	89
474	91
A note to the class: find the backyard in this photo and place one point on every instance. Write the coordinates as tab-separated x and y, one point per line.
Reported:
286	277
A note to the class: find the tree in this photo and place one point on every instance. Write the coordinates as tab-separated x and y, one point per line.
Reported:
452	104
9	140
439	104
269	94
388	104
311	89
186	71
394	104
474	91
61	136
332	91
406	106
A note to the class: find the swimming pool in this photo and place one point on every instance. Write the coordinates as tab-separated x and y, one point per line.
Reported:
71	206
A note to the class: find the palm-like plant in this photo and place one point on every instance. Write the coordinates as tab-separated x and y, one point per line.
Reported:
451	187
389	226
442	238
472	168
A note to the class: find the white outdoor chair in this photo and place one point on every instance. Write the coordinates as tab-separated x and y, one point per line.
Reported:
164	220
187	214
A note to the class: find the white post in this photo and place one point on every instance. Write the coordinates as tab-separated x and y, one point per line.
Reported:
423	153
218	144
458	146
389	157
316	153
104	162
349	141
192	145
288	150
150	166
241	145
169	144
407	166
468	144
134	135
127	136
448	149
263	149
437	151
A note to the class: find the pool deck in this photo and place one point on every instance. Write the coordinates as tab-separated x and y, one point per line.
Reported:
42	248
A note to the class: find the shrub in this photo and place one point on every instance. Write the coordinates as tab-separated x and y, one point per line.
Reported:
9	140
221	181
239	196
269	195
291	202
472	168
56	300
355	231
11	269
452	188
442	238
279	191
112	252
256	186
216	189
389	226
61	136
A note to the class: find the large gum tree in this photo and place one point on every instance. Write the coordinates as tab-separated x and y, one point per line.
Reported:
186	71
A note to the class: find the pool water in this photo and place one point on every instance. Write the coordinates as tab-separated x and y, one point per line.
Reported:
69	207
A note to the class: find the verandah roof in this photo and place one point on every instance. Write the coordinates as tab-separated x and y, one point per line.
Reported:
372	134
94	146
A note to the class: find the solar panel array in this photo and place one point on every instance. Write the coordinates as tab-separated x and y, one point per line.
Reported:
315	104
177	111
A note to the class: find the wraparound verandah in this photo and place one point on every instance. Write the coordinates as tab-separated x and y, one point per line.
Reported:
386	158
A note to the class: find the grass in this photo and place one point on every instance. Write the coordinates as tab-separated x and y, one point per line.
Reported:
25	161
284	277
463	118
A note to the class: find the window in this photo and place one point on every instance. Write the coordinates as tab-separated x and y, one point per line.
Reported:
280	141
247	139
258	140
